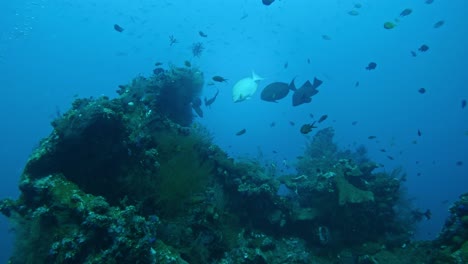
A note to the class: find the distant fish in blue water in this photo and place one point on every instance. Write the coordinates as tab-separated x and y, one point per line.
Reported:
419	132
202	34
463	103
406	12
423	48
371	66
118	28
413	53
429	2
267	2
241	132
438	24
422	90
322	118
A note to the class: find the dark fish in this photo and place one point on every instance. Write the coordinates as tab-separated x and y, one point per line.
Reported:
463	103
413	54
172	40
267	2
118	28
219	79
326	37
439	23
187	64
203	35
419	132
311	115
429	2
383	150
322	118
272	124
308	61
158	63
196	106
406	12
241	132
423	48
418	174
422	90
286	65
303	95
292	123
371	66
459	163
390	157
306	128
276	91
274	152
354	123
371	137
210	101
356	84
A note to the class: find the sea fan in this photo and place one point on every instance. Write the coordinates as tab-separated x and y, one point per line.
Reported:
197	49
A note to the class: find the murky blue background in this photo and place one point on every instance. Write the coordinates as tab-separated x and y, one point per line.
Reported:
51	51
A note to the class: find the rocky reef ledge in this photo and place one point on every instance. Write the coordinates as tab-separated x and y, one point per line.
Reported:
134	180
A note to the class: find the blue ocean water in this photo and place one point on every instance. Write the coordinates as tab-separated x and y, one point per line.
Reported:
52	51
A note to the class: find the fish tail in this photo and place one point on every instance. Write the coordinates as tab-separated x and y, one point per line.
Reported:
317	82
256	77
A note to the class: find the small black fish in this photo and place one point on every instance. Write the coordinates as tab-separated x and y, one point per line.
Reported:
118	28
371	66
306	128
292	123
158	63
406	12
308	61
187	64
371	137
414	54
418	174
459	163
390	157
203	35
272	124
267	2
210	101
322	118
463	103
241	132
439	23
383	150
326	37
354	123
422	90
356	84
429	2
286	65
311	115
419	132
219	79
423	48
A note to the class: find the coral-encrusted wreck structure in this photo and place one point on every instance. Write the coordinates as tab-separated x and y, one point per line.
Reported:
132	180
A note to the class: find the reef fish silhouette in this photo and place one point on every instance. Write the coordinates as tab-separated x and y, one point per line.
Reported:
245	88
276	91
303	95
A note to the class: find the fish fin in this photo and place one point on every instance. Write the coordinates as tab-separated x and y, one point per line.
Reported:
256	77
292	86
317	82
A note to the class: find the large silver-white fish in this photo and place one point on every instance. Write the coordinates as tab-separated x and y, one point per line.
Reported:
245	88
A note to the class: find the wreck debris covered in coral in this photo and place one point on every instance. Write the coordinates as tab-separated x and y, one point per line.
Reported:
133	180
